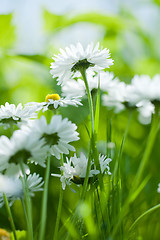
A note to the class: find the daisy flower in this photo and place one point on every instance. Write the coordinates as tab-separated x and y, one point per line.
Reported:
145	88
74	170
74	58
13	189
53	101
116	97
158	190
10	114
145	109
57	134
22	146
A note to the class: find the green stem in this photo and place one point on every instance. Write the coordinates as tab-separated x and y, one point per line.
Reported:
59	207
10	215
149	147
44	201
108	133
28	202
83	73
143	215
24	209
84	190
93	153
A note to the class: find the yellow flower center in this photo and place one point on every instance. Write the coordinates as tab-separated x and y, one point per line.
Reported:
52	96
4	234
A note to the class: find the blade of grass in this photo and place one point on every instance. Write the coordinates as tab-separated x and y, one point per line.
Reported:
59	207
149	211
44	201
10	216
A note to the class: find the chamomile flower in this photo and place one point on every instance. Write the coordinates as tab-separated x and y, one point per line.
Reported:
145	88
57	134
53	101
116	97
22	146
74	88
74	58
13	189
74	170
145	109
10	114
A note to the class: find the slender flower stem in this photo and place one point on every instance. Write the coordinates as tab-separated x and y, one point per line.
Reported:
24	209
44	201
59	207
93	153
10	216
83	73
149	147
28	202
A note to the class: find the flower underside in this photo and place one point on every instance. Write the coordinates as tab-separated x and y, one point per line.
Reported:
51	139
22	155
156	102
78	180
129	106
10	120
82	64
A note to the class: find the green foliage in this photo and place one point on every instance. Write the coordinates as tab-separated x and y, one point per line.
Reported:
21	235
7	31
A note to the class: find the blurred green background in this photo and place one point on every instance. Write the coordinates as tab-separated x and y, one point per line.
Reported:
31	32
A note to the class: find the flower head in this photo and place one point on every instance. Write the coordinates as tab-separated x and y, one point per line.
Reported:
145	109
10	114
22	146
158	190
145	88
13	189
56	135
74	58
74	170
116	97
53	101
4	235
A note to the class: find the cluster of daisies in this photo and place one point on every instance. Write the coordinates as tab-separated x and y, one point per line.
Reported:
32	142
34	139
142	93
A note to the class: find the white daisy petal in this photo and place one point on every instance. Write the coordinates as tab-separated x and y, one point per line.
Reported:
10	114
74	169
56	135
23	145
12	187
64	64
